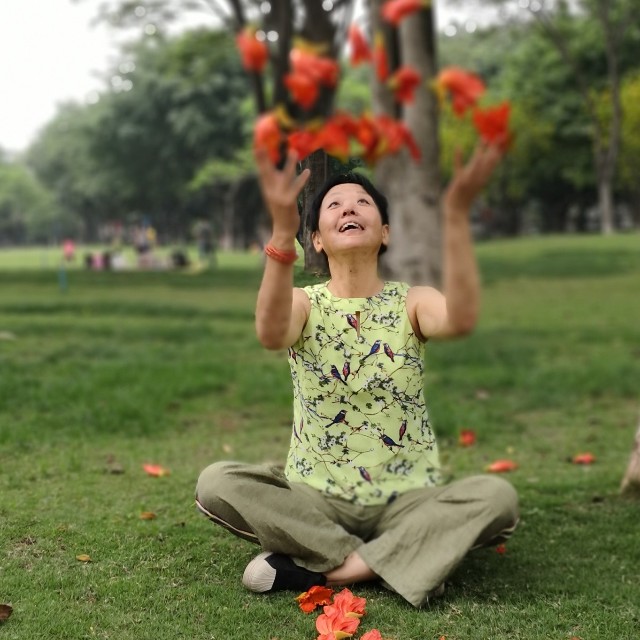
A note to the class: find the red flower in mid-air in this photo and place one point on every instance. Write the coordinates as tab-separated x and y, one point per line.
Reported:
303	88
268	135
359	47
464	87
493	125
394	11
379	56
403	83
253	52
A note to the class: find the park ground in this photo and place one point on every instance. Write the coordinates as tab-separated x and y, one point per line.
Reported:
103	372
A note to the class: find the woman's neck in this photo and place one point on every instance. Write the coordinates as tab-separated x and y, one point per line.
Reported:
351	279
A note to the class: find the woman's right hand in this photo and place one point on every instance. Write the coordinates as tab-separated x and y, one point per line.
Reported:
280	190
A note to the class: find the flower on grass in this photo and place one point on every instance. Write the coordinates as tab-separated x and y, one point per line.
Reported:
155	470
467	437
349	605
333	625
583	458
315	597
464	88
374	634
501	466
501	549
253	52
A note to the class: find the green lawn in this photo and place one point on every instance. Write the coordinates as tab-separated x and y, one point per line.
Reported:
117	369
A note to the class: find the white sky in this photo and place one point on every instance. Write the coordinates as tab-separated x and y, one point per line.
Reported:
50	53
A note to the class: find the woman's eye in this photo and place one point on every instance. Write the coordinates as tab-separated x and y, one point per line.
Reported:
363	200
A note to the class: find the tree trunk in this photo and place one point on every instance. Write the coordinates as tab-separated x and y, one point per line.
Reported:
313	262
631	481
413	188
605	204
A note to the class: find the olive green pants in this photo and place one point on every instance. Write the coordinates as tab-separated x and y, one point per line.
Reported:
413	544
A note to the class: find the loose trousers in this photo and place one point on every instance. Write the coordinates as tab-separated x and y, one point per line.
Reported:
413	544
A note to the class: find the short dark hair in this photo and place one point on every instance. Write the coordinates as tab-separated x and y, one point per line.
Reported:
348	178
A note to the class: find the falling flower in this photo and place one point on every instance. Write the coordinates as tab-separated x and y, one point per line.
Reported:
502	466
583	458
493	124
254	53
394	11
501	549
267	135
316	596
83	557
335	134
467	437
374	634
303	88
403	83
359	47
332	625
379	56
321	69
148	515
155	470
464	87
303	142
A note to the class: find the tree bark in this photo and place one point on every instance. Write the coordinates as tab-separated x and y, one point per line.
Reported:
317	162
631	482
414	188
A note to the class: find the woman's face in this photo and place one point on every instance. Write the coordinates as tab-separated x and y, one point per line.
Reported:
349	220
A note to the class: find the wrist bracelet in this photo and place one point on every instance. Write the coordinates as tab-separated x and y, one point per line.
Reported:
285	257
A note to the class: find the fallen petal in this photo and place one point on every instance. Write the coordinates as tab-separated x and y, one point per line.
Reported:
156	470
83	557
583	458
501	466
148	515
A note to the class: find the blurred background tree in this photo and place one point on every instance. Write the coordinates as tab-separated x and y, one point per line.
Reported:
169	137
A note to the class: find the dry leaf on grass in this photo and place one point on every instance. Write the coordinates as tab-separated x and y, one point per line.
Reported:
5	611
83	557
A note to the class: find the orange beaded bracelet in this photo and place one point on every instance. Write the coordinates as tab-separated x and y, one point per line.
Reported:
285	257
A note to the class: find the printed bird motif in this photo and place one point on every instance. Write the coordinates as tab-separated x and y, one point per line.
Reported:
335	373
365	474
346	370
293	355
340	417
388	351
374	349
295	433
389	442
352	320
403	429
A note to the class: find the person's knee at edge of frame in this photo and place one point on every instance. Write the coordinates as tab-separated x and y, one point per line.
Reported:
212	483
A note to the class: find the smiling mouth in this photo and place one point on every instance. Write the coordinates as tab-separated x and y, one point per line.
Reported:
350	226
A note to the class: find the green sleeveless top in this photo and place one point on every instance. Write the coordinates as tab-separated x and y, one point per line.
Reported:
361	429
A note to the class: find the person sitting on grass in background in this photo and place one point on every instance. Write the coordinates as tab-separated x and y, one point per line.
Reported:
360	497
